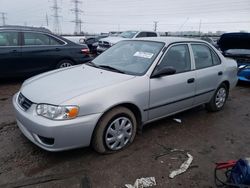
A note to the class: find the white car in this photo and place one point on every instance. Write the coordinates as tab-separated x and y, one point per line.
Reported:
107	42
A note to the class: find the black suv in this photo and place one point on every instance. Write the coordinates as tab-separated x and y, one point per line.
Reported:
26	51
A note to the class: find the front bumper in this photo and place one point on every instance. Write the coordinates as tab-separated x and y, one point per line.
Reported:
66	134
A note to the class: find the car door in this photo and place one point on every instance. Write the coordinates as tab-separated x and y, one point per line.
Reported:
40	52
209	71
10	53
173	93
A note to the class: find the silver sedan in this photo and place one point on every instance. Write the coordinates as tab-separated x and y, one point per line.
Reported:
104	102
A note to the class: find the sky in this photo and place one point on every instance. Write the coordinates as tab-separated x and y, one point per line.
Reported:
119	15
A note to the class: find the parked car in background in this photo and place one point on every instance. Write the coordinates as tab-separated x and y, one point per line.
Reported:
210	40
92	43
26	51
131	84
237	46
106	43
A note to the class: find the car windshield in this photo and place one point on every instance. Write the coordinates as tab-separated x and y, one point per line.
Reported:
128	34
129	57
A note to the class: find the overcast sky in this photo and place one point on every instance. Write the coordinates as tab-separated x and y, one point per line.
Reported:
113	15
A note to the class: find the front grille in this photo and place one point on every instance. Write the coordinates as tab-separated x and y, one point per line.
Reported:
24	102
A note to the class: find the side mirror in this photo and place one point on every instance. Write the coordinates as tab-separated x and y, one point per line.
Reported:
163	72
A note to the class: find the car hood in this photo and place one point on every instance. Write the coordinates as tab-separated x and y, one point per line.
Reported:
62	85
112	40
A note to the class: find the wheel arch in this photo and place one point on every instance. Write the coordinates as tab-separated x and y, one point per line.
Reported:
65	58
132	107
227	83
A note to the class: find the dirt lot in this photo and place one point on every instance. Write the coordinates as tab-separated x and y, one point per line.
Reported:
208	137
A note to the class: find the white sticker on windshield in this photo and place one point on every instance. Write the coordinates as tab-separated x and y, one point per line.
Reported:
144	55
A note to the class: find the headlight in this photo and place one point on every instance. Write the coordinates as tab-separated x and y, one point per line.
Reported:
57	112
244	67
247	67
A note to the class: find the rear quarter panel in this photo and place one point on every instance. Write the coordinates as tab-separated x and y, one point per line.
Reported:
231	70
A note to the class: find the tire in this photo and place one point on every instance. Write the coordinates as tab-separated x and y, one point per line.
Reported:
109	136
64	63
219	99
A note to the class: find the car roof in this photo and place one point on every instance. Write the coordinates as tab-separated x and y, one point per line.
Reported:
24	28
169	40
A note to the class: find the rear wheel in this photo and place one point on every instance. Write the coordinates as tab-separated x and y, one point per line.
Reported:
65	63
219	99
115	131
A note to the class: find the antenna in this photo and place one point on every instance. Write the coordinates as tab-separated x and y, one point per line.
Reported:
3	17
55	8
77	11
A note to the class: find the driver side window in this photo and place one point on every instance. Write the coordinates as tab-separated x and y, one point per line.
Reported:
177	57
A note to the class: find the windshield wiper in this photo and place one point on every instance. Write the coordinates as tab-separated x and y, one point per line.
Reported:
90	63
111	68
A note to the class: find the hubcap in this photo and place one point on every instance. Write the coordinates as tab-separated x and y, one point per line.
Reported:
118	133
66	64
220	97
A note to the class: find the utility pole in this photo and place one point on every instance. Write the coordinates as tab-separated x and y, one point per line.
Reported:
200	28
55	8
47	20
155	25
3	17
77	11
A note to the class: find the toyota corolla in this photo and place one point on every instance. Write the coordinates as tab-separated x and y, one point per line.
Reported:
104	102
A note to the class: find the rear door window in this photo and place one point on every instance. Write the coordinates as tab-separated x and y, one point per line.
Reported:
151	34
202	55
38	39
216	59
8	39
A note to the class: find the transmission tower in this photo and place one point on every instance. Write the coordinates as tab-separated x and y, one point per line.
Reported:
77	11
3	17
56	8
155	25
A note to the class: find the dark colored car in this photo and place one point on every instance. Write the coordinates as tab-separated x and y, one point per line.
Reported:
237	46
26	51
92	43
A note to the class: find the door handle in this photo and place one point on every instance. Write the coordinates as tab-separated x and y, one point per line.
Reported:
58	49
190	80
13	51
220	73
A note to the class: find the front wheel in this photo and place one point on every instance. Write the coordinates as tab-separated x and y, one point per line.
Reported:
115	131
219	99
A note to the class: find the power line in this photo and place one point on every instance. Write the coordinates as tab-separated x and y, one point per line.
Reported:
55	8
3	17
77	11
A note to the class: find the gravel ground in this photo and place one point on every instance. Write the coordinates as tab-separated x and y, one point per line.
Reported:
208	137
